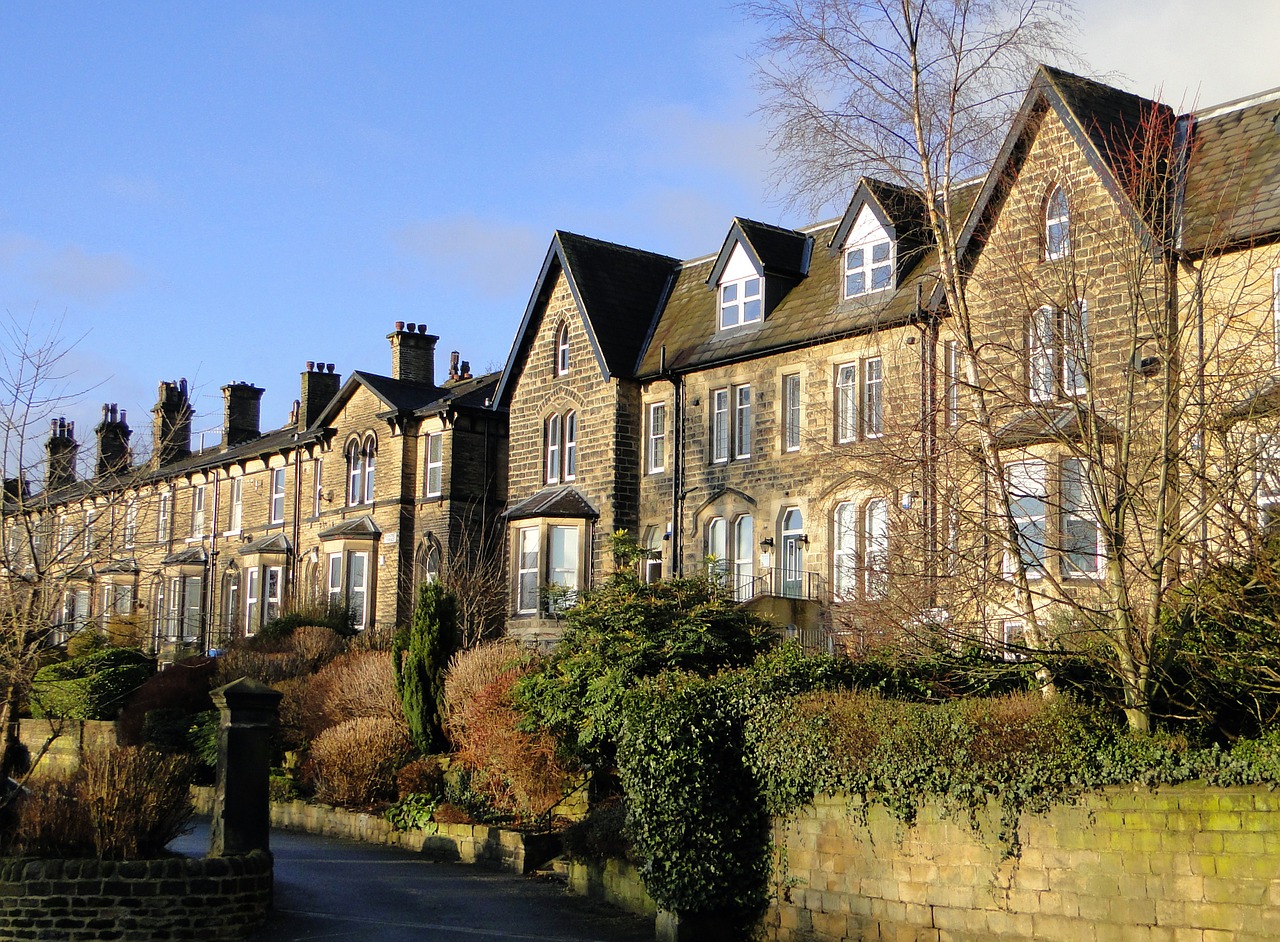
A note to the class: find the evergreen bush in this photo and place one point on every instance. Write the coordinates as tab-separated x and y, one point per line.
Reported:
419	656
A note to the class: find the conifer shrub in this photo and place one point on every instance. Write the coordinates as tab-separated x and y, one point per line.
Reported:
354	764
420	655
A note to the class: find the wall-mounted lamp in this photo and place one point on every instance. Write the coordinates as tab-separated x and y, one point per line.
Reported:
804	538
910	499
767	543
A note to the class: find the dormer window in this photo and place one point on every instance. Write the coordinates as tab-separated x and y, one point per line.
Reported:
741	302
562	350
868	267
1057	213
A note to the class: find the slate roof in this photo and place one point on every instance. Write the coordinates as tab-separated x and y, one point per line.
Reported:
275	543
361	527
554	502
196	556
1049	424
1233	177
778	251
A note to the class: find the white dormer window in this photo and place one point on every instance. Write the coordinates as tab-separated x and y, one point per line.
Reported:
869	256
741	302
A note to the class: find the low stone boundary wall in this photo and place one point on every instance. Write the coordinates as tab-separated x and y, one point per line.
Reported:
202	900
616	882
74	739
481	844
1185	862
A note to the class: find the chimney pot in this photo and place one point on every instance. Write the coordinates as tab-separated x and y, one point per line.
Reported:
399	325
411	327
311	365
422	328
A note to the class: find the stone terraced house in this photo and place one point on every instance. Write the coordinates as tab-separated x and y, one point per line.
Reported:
798	414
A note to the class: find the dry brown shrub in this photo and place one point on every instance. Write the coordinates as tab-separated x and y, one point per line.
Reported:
421	777
303	651
354	764
518	772
51	821
354	684
316	645
469	672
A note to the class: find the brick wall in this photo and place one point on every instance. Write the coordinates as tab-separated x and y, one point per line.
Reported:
1184	863
142	900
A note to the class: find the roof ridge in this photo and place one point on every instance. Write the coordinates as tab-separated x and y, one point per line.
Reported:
1236	104
766	225
613	245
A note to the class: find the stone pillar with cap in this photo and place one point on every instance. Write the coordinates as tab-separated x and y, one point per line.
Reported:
242	804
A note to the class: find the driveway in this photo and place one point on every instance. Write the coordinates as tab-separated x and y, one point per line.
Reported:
341	890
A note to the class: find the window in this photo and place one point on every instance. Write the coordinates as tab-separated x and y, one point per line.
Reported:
562	350
527	570
570	445
355	474
720	425
1057	215
872	398
333	588
1275	310
197	511
1057	351
272	591
370	454
742	422
435	464
868	267
1079	522
130	524
1013	639
251	598
358	589
1026	481
163	513
90	515
744	548
183	607
741	302
317	495
846	403
951	383
651	563
66	533
875	548
562	576
237	506
845	549
657	437
716	566
791	412
553	449
277	495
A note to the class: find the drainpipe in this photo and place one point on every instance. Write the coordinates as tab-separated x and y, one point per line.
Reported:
210	586
677	462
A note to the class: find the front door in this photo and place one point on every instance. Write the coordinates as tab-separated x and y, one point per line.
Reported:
793	554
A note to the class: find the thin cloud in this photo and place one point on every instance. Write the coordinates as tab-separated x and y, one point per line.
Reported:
69	272
461	248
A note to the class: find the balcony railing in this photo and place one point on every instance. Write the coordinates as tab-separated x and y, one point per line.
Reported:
779	583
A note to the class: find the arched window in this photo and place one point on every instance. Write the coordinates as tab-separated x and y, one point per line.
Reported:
570	445
355	473
875	548
370	452
744	548
553	449
1057	214
562	350
716	550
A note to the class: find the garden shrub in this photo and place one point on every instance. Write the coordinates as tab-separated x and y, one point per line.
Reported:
517	770
354	684
90	687
469	672
122	804
419	655
601	835
424	776
181	690
354	764
626	631
303	651
331	616
413	810
88	640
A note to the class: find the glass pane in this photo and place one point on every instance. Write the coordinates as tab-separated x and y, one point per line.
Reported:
880	252
855	283
881	277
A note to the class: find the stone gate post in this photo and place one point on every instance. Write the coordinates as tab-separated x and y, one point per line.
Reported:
241	804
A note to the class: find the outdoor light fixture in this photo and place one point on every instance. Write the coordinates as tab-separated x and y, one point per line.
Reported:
767	543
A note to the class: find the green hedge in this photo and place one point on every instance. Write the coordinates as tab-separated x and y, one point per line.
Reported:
90	687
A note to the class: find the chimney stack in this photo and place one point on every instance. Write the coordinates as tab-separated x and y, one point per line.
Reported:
15	489
62	450
413	353
171	428
241	413
113	441
454	375
319	385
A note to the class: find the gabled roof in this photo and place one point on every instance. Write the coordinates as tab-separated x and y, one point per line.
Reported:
1051	424
773	250
554	502
1107	124
361	527
398	395
275	543
618	291
1233	177
196	556
475	392
896	207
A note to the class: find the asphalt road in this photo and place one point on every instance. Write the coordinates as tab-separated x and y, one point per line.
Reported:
340	890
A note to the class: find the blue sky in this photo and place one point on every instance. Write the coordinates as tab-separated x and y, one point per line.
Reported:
225	191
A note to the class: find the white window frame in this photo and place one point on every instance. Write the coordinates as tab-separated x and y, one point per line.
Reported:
791	414
130	524
1042	354
1267	476
355	474
236	513
742	422
317	477
1028	508
846	403
90	517
657	457
1074	347
276	499
562	349
272	592
252	590
741	301
528	554
717	549
198	511
553	430
570	445
435	464
563	555
744	554
875	548
872	397
333	579
873	262
951	383
720	425
844	550
1077	515
1057	224
1013	635
357	590
164	515
370	463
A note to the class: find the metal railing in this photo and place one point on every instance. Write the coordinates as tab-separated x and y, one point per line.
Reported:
779	583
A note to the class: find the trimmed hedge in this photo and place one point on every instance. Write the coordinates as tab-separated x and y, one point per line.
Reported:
91	687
